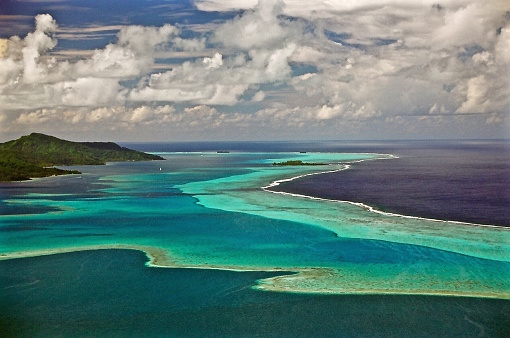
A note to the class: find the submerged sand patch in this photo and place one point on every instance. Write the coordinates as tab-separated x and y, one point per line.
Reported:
242	193
353	280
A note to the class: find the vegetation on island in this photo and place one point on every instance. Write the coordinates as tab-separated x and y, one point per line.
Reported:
296	162
35	155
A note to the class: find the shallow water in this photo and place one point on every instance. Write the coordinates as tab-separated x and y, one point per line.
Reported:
110	293
207	210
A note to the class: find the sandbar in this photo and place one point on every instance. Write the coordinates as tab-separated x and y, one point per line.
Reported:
300	280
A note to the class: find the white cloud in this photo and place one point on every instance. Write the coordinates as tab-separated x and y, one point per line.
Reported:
145	39
306	64
141	114
36	117
9	70
225	94
31	78
215	80
38	43
502	48
473	24
225	5
214	62
244	32
4	45
100	114
189	45
326	113
45	23
259	96
113	61
132	55
254	59
89	92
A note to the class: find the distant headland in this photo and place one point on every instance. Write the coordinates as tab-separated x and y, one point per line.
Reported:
36	155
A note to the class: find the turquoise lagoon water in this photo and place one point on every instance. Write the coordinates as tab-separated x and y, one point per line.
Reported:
110	293
207	211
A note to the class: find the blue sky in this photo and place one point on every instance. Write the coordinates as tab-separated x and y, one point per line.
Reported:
248	70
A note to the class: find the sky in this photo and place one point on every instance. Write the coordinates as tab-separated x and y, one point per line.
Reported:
236	70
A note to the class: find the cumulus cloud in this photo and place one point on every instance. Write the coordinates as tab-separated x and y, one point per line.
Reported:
259	96
144	39
37	43
89	92
95	81
132	55
3	47
214	62
245	32
472	24
9	70
254	59
215	80
313	64
502	48
35	117
392	57
30	77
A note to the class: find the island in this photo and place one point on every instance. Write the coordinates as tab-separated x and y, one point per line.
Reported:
36	155
296	162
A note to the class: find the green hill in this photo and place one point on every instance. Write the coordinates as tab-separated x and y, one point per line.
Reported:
33	156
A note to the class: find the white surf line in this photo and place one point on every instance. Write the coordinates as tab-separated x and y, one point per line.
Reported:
345	167
363	205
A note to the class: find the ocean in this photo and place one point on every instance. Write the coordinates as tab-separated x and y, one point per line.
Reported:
192	246
461	181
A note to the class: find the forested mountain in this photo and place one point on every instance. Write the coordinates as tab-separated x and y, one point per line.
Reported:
35	155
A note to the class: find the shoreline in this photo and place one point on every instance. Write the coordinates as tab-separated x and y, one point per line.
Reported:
363	205
469	239
159	258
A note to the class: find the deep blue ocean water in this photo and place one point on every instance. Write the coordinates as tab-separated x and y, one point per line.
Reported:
112	292
463	181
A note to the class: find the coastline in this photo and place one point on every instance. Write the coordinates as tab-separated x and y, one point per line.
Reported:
303	279
248	194
157	257
359	204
